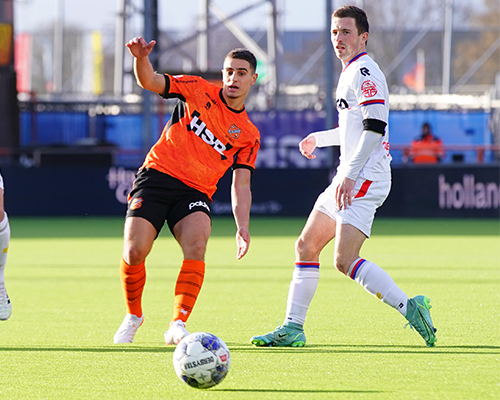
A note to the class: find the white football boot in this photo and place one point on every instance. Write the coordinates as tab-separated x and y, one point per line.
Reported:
5	305
128	328
176	332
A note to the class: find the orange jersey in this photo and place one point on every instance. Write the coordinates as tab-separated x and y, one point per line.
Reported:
204	136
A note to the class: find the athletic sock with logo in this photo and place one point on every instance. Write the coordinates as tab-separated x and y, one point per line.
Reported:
378	283
133	280
302	288
187	288
4	245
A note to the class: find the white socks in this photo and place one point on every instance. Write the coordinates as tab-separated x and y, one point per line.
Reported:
4	245
302	288
369	275
378	283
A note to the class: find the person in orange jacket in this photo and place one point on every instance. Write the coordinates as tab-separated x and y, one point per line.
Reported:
427	148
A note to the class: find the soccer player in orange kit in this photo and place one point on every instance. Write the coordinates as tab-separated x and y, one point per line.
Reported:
208	133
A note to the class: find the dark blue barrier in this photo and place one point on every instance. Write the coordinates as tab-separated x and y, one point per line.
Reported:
434	191
444	192
59	191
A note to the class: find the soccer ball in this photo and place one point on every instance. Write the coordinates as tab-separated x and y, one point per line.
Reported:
201	360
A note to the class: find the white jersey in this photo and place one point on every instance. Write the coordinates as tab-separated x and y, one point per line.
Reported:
363	104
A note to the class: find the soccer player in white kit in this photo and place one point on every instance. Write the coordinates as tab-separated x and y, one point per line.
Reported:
5	305
345	210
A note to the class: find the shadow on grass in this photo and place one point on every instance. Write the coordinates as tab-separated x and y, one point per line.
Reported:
373	349
292	391
83	349
310	349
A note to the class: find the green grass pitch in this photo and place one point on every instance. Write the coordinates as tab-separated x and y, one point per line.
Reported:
63	280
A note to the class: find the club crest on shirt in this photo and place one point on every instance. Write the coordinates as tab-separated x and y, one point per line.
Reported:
369	88
136	203
234	131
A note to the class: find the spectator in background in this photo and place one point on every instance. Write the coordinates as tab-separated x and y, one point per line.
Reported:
427	148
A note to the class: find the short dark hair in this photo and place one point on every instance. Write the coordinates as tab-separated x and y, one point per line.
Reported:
244	54
354	12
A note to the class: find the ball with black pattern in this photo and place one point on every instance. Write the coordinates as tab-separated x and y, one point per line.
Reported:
201	360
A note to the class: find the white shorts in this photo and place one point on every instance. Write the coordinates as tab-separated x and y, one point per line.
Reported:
368	196
1	182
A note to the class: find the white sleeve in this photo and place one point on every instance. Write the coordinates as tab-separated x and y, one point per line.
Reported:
330	137
366	145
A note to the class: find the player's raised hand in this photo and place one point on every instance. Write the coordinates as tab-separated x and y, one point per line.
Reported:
243	242
307	146
139	48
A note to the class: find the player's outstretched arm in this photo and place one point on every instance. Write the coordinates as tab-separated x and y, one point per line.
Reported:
241	199
307	146
145	75
330	137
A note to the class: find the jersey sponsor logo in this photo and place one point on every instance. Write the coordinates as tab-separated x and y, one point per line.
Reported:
234	131
369	88
198	203
199	128
364	71
208	105
178	78
136	203
214	102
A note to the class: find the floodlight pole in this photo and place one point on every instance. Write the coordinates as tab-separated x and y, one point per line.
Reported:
119	47
150	31
202	58
58	49
329	69
272	51
448	30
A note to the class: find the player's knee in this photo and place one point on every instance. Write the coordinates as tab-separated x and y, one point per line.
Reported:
195	250
134	255
304	250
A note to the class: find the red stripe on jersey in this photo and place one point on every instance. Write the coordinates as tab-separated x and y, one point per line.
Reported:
370	102
364	188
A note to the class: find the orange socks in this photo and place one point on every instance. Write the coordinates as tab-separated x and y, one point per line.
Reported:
133	280
187	288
